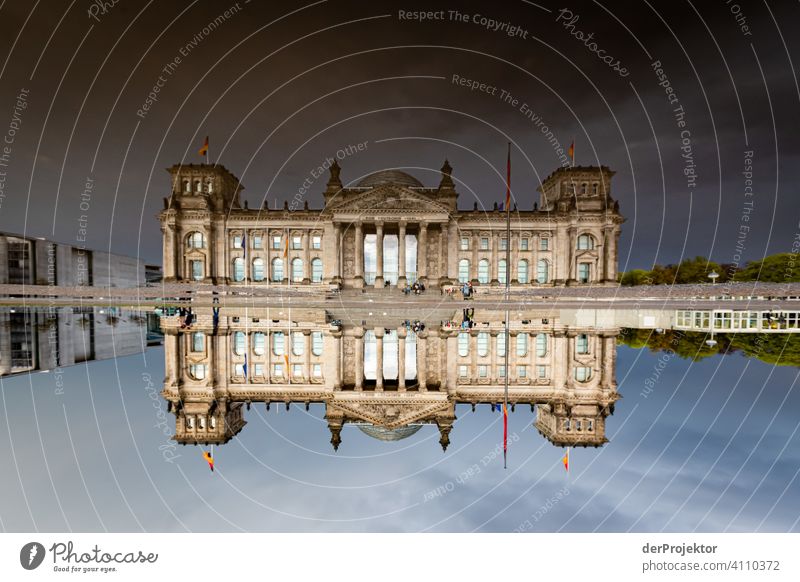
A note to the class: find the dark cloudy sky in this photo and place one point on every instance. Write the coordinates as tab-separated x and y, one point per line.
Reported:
280	86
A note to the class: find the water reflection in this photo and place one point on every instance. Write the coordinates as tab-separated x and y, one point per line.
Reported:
42	339
390	376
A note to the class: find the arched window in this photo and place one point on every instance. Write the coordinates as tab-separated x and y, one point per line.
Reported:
316	271
463	271
258	269
258	343
483	271
238	343
501	344
542	271
583	373
594	189
522	271
209	186
541	345
297	270
187	186
316	343
238	269
522	344
196	240
277	343
277	270
502	271
198	186
583	188
585	242
483	344
298	341
463	344
197	371
582	344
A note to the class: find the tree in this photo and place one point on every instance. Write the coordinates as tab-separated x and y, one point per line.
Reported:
780	268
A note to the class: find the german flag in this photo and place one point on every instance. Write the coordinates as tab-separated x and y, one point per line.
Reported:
565	460
204	150
571	152
209	459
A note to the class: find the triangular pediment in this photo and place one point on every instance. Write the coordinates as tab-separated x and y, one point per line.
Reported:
390	413
389	198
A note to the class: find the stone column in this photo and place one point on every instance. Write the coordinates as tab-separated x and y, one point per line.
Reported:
442	253
306	257
452	252
4	259
359	335
401	359
514	266
511	372
307	353
452	363
268	354
493	352
473	356
337	252
401	254
422	253
378	359
170	256
422	361
476	243
359	243
495	259
337	361
378	255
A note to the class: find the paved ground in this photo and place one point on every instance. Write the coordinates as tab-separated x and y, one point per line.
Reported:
738	296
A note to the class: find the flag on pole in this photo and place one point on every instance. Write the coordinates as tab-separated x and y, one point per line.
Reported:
209	459
244	367
244	244
565	460
505	433
286	245
204	150
571	152
508	180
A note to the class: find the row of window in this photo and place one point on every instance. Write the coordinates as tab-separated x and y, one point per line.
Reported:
584	242
738	319
197	240
257	272
581	373
581	344
578	425
199	371
258	343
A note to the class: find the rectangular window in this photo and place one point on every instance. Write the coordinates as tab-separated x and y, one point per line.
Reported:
238	370
237	241
297	370
197	270
582	344
317	370
277	369
483	371
501	371
258	370
583	272
197	342
297	242
464	243
522	371
276	241
484	244
541	371
463	371
544	244
316	242
523	244
503	244
257	243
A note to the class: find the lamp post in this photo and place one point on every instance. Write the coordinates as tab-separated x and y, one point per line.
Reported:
713	275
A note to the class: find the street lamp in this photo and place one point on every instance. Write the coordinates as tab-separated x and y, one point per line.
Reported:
713	275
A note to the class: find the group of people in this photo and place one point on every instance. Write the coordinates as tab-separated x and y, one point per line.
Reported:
416	288
416	326
186	317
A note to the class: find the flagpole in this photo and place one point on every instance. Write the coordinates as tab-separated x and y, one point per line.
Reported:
508	297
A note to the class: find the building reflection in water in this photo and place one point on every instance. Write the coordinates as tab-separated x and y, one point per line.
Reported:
386	376
41	339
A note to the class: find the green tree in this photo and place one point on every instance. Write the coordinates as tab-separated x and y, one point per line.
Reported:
780	268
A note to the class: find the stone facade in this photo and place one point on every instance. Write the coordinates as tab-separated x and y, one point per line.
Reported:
569	237
387	378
